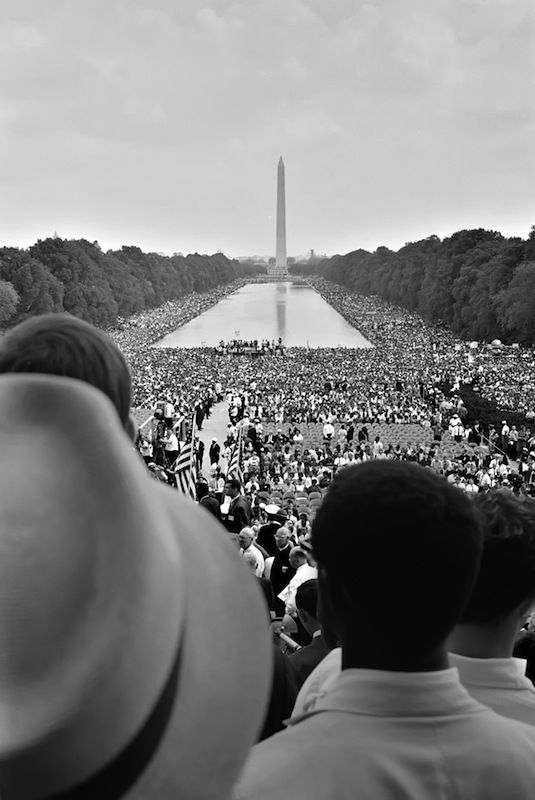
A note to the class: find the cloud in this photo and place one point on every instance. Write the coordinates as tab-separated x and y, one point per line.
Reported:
384	111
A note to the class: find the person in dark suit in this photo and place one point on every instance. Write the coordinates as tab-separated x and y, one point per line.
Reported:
214	452
281	570
239	512
266	534
303	661
208	500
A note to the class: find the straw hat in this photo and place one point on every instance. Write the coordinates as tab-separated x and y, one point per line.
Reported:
134	660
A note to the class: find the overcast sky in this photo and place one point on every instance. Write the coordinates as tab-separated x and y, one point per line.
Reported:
160	122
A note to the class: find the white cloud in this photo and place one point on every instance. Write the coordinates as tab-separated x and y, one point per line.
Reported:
388	114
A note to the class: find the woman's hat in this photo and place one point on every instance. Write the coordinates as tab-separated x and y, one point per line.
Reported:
134	660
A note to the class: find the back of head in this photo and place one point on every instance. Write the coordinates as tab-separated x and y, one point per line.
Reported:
306	597
395	538
60	344
506	578
201	488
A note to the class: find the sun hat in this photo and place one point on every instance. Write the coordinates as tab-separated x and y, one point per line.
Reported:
121	675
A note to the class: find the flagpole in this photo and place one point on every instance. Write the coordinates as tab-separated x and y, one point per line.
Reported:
192	456
239	474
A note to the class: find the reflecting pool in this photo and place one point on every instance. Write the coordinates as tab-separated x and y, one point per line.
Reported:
293	312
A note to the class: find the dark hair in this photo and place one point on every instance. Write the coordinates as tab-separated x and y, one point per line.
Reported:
506	576
306	597
234	483
201	488
60	344
395	538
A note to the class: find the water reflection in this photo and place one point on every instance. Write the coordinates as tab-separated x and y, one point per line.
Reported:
295	313
282	290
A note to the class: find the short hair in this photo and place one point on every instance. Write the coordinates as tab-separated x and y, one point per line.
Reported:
306	597
234	483
284	530
60	344
202	489
506	577
298	551
247	531
411	544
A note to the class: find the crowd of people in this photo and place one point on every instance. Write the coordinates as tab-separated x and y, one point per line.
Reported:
404	390
252	347
370	654
392	381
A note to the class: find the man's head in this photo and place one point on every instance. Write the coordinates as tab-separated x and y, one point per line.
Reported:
306	602
232	487
245	537
395	538
59	344
202	489
505	584
282	537
297	557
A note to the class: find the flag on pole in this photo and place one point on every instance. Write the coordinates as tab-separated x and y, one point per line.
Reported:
235	465
185	468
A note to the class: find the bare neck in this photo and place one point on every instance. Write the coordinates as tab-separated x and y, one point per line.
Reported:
484	641
379	655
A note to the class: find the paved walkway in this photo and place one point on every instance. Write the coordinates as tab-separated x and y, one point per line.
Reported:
215	425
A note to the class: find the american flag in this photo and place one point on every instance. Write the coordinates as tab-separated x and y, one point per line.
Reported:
185	467
235	465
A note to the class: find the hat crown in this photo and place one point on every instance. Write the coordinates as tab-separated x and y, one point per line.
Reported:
85	579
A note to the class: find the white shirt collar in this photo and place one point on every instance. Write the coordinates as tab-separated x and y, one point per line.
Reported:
492	672
398	694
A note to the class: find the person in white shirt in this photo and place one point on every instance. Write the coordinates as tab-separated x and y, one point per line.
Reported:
303	572
328	431
471	487
246	541
481	646
378	448
395	542
171	446
168	412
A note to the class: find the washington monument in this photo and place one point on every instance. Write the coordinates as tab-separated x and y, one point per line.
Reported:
280	269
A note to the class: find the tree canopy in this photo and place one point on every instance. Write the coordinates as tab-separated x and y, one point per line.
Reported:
9	300
74	275
478	283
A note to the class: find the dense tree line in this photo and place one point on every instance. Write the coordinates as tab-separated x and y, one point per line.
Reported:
77	276
478	283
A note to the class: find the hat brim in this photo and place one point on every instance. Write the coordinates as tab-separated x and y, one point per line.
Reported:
215	659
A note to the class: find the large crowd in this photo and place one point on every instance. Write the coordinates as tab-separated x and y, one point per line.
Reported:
403	392
386	650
